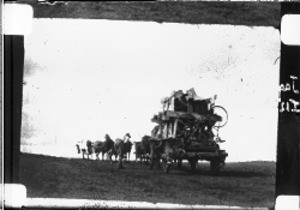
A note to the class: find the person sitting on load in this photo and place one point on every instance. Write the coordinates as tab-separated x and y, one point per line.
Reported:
127	137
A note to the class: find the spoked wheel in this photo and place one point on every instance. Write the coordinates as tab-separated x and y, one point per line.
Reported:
193	163
215	167
222	112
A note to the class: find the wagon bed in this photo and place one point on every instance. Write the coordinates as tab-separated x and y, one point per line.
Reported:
186	124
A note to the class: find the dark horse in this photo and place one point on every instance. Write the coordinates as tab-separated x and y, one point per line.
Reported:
108	147
142	149
122	147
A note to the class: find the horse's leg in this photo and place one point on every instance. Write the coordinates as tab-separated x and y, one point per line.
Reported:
152	160
83	151
120	165
158	161
109	156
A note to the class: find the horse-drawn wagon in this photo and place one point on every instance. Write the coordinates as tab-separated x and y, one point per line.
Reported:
188	129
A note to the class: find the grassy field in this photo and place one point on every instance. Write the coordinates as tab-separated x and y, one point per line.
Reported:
239	184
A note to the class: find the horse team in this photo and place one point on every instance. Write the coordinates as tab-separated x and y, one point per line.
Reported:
148	149
120	148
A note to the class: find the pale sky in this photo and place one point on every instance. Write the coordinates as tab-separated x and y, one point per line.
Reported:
94	77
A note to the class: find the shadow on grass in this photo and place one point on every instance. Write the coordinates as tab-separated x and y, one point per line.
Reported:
241	170
223	172
236	170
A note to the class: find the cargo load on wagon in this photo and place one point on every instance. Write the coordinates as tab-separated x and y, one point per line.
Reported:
194	122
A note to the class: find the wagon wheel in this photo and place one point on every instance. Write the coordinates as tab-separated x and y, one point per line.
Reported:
215	167
193	162
221	111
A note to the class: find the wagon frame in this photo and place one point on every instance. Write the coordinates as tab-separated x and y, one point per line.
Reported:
192	128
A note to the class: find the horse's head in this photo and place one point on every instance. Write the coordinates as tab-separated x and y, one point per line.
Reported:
127	135
88	143
107	138
146	138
